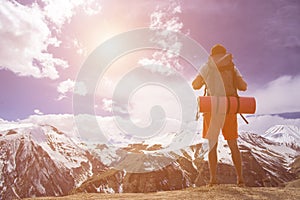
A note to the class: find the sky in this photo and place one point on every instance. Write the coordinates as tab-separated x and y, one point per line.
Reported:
45	43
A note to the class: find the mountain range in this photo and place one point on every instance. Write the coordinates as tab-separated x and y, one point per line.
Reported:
38	159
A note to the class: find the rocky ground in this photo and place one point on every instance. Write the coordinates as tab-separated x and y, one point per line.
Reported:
219	192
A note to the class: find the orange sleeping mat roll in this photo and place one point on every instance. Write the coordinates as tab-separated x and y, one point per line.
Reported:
230	105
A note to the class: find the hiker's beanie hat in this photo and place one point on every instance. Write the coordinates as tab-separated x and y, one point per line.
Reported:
217	49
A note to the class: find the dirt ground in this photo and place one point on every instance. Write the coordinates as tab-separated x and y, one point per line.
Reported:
219	192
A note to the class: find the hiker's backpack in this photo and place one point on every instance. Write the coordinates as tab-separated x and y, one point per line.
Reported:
224	66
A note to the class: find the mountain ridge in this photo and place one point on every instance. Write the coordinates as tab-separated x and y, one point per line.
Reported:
285	134
41	160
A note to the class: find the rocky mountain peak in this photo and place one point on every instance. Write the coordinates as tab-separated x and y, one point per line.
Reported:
284	134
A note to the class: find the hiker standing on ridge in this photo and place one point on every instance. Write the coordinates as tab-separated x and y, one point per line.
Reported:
220	63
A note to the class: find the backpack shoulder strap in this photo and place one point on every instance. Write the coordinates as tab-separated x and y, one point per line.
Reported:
234	81
205	90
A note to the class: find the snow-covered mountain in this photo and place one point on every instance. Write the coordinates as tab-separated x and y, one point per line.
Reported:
40	160
265	163
37	159
284	134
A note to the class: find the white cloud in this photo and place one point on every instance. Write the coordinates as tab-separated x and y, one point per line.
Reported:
61	97
164	21
81	50
64	122
89	131
70	124
166	18
80	88
92	7
161	66
37	111
69	86
26	34
148	96
65	87
25	37
60	12
112	131
107	104
279	96
111	106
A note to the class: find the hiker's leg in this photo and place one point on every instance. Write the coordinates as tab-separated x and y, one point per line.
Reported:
237	160
212	160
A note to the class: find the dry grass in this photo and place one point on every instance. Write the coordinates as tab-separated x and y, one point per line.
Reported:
223	192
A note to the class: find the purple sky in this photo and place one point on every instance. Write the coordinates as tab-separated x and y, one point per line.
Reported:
264	37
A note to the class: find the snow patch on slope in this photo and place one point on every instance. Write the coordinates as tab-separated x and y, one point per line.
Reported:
284	134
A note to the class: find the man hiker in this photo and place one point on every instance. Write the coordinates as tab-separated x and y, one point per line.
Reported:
220	64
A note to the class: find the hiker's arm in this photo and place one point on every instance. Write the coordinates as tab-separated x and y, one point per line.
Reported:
198	82
240	82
